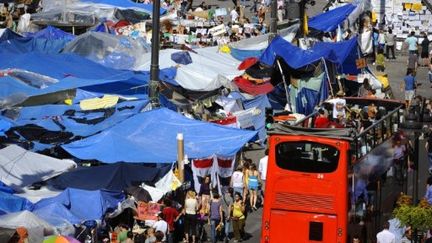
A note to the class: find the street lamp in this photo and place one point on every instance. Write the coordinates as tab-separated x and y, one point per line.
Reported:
154	67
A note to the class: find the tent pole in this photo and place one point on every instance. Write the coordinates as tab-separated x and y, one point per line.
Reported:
180	156
328	77
285	86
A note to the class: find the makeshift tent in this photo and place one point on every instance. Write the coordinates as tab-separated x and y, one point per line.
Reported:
51	33
119	52
20	167
28	44
341	53
34	225
82	204
208	71
8	34
151	137
10	203
116	177
330	20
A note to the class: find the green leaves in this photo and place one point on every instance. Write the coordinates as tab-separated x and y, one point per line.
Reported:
418	217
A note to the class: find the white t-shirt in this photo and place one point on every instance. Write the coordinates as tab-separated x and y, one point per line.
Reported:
234	15
386	236
338	107
262	167
237	179
191	205
162	226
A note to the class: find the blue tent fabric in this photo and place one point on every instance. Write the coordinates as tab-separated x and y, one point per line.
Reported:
261	102
56	213
181	57
52	33
83	204
27	44
341	53
243	54
147	8
151	137
4	127
6	188
115	177
10	203
330	20
8	34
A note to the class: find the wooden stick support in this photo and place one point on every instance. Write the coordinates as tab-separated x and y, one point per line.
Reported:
180	156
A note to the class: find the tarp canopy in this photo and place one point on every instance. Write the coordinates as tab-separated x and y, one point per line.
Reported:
8	34
116	177
27	44
330	20
34	225
51	33
10	203
151	137
122	4
209	70
83	204
341	53
20	167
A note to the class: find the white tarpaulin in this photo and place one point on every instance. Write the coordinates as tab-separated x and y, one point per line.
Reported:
34	225
209	70
20	167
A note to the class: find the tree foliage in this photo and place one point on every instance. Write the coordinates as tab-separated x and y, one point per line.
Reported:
417	216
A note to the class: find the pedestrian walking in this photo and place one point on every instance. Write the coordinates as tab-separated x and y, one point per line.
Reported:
380	60
238	218
237	181
425	50
385	236
190	212
412	42
253	183
409	86
216	219
390	44
412	61
227	203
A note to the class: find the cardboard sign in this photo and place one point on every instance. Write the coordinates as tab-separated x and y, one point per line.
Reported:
148	211
361	63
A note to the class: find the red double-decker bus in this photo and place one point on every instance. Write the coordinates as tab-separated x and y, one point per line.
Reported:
312	173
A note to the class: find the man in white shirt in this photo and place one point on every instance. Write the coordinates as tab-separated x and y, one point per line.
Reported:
234	15
385	236
161	225
262	169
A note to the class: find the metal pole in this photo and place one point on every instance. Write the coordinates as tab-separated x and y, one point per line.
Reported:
302	15
273	20
154	67
180	156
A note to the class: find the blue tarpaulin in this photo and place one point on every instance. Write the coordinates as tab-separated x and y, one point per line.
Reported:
341	53
127	4
28	44
151	137
56	214
51	33
10	203
330	20
115	177
9	35
85	205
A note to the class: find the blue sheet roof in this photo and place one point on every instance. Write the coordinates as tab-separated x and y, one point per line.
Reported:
330	20
151	137
51	33
56	213
346	54
127	4
10	203
83	204
296	57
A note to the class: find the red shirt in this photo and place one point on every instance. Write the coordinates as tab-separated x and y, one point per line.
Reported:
170	215
322	122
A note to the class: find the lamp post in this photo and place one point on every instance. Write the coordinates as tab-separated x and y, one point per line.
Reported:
273	20
154	67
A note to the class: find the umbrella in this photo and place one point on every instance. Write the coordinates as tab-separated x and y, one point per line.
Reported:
247	63
60	239
139	193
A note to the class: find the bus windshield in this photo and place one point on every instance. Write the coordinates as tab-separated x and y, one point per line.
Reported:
305	156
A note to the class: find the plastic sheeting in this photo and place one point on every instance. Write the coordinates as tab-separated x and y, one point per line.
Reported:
119	52
330	20
20	167
27	44
151	137
346	53
10	203
34	225
297	58
83	204
208	71
58	216
116	177
51	33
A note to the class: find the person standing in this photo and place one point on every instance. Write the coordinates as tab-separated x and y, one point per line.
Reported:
409	86
237	181
215	216
425	50
411	41
390	44
428	147
412	61
190	212
253	183
171	216
161	225
385	236
227	203
381	40
262	169
238	217
380	60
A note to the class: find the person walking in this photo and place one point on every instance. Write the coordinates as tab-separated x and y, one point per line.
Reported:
390	44
190	212
409	86
216	214
171	216
385	236
238	217
227	203
237	181
411	42
253	183
425	50
428	147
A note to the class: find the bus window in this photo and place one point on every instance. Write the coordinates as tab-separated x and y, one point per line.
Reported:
307	157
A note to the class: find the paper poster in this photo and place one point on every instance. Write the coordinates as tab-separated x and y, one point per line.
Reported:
148	211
